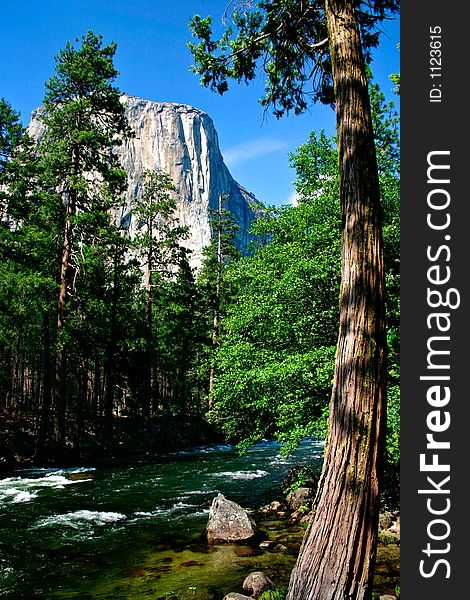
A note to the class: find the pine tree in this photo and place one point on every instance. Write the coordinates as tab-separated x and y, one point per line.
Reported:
28	252
158	243
11	131
220	252
84	121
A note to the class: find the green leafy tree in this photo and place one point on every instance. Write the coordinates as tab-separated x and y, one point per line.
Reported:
277	348
101	324
276	356
84	121
323	44
123	277
11	131
182	339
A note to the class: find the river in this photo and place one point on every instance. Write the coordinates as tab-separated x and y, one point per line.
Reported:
135	530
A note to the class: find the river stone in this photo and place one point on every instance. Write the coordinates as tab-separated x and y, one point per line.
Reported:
270	509
229	522
235	596
256	583
301	499
385	520
388	597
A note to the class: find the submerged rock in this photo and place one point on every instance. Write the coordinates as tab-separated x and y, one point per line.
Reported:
229	522
270	509
256	583
301	499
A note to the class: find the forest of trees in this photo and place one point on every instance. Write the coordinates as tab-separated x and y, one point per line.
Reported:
94	325
136	332
139	336
103	334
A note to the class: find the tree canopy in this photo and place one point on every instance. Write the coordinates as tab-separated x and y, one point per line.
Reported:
287	41
278	340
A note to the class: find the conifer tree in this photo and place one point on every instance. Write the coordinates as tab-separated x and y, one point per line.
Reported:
28	252
158	242
84	121
217	255
11	131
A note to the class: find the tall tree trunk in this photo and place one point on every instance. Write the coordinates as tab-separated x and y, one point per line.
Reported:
337	557
45	406
216	321
64	281
78	416
59	392
110	370
147	391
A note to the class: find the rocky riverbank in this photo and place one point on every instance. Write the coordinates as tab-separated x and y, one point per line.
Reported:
281	526
275	555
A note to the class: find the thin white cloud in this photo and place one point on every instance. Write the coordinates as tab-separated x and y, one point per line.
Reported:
293	198
236	155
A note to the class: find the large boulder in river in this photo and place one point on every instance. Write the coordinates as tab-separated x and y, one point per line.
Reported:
229	522
256	583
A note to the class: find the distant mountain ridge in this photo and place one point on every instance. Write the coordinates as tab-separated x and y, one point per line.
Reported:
182	141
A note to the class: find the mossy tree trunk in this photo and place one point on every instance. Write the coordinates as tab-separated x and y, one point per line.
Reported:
337	557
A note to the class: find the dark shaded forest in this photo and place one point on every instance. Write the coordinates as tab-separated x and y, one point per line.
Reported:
112	344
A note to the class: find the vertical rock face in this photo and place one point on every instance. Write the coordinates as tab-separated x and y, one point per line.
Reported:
182	141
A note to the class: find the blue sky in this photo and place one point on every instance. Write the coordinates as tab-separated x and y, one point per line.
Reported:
154	61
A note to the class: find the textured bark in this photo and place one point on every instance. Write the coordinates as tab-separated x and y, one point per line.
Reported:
64	279
337	557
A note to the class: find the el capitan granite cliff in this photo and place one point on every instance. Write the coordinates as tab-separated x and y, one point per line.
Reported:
181	141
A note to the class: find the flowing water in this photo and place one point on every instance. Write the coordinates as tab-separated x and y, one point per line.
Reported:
135	530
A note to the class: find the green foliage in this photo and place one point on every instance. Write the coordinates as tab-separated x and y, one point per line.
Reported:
278	340
11	131
279	594
299	477
159	235
129	344
85	122
276	357
215	289
288	41
395	78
